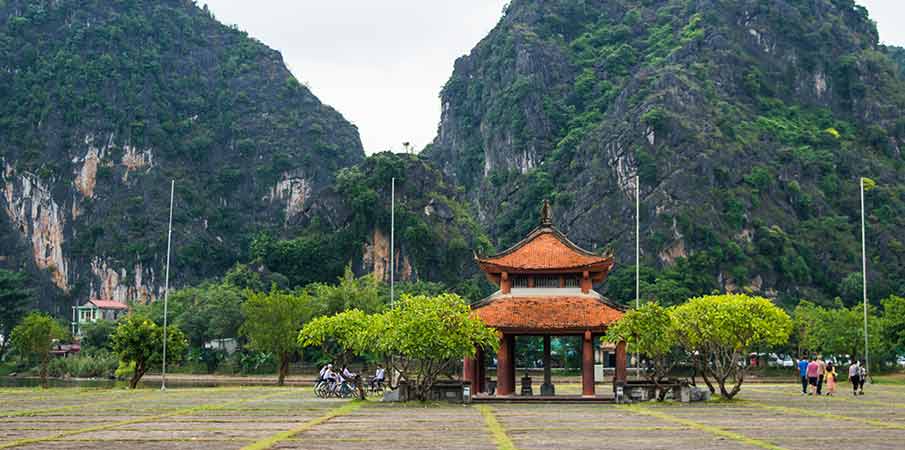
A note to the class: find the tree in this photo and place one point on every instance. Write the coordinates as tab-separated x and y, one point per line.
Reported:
839	330
349	293
341	336
96	336
14	300
649	330
894	322
723	329
421	336
33	338
272	323
209	311
138	340
424	336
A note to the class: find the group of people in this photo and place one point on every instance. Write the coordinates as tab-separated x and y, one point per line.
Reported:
337	378
815	373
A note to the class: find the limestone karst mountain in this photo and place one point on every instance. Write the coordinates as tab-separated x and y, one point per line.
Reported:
748	121
105	102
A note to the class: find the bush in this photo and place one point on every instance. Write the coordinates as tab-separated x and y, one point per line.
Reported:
100	365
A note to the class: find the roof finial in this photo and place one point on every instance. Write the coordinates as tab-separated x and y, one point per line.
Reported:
546	218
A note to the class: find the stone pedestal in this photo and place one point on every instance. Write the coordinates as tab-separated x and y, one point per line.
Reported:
547	389
526	386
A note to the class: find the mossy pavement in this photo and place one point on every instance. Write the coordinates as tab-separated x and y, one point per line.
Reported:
765	416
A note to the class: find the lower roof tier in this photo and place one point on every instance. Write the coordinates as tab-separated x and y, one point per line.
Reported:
547	313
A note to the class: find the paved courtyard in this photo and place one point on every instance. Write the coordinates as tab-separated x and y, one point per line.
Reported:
767	416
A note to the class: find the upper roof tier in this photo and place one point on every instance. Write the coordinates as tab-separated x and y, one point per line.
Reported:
545	249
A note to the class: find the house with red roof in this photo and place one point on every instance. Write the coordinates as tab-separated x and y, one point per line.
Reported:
95	310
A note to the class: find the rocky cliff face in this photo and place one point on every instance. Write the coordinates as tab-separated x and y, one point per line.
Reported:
105	102
748	123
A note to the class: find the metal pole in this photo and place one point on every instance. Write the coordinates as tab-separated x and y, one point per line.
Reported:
392	240
166	290
637	259
864	276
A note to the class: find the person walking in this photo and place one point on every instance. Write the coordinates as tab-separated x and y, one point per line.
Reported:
830	378
854	376
803	374
862	371
821	374
813	373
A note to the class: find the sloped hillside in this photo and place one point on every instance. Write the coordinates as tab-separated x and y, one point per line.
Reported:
749	123
104	102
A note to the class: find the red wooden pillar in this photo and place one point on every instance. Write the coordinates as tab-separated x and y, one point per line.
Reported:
468	370
505	373
587	365
478	384
620	362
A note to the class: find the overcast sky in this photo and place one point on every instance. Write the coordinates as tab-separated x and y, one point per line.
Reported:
382	63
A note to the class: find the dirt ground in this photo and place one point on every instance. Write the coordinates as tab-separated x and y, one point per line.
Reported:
765	416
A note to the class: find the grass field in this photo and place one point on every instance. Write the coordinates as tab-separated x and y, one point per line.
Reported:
765	416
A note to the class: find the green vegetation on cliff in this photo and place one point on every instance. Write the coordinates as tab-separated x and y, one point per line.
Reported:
749	124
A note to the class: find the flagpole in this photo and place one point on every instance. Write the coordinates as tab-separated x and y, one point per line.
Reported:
864	276
166	290
637	259
392	240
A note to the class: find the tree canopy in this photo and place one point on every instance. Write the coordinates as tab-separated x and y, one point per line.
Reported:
139	341
14	302
723	329
33	338
272	323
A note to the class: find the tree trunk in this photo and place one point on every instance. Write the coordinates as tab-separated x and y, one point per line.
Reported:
284	369
700	367
140	370
44	363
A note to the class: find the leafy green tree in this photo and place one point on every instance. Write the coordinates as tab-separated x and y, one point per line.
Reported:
839	330
341	336
425	336
206	312
242	277
96	336
361	293
14	301
894	322
138	341
272	323
33	338
723	329
650	331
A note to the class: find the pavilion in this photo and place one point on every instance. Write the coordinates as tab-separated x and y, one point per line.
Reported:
545	289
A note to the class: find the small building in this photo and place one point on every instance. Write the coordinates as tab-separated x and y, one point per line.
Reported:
95	310
546	288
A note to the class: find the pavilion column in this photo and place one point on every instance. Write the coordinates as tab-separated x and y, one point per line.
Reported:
468	370
587	365
479	385
620	362
505	367
547	388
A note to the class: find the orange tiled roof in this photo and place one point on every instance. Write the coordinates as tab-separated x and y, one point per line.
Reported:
109	304
544	249
547	313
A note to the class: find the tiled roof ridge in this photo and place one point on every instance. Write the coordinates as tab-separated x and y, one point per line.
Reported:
534	234
498	296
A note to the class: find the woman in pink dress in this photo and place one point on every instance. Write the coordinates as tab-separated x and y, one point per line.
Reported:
830	378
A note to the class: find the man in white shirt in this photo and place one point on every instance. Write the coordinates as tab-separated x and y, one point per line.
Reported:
379	376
